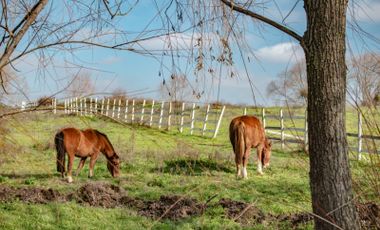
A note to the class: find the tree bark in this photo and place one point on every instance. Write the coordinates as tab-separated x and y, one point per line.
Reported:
330	177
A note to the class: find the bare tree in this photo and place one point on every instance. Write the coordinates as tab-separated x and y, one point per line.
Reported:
119	94
81	85
16	87
364	78
290	85
177	89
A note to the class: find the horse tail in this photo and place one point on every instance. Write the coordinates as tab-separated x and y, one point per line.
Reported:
59	145
238	130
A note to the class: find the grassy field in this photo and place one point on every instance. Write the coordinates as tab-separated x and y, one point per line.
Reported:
156	163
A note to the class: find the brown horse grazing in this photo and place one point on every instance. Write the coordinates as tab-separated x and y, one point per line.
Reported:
83	144
247	132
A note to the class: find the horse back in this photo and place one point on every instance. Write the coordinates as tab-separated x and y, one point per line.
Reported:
254	133
71	138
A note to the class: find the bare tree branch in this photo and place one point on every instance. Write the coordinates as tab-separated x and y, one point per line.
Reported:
263	19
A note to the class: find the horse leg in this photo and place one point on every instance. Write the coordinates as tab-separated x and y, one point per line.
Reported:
70	167
259	161
80	165
238	161
245	162
93	159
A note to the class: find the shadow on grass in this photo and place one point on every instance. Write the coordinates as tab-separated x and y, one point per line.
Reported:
27	175
194	167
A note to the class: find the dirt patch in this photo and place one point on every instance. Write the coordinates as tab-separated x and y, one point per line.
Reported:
99	194
294	219
30	195
369	214
172	207
108	196
242	212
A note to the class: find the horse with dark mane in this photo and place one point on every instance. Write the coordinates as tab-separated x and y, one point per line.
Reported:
83	144
246	132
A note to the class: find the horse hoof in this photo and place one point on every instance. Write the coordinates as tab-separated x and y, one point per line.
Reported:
69	179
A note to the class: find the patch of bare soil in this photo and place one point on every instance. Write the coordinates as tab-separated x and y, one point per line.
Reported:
99	194
172	207
295	219
242	212
247	214
108	196
30	195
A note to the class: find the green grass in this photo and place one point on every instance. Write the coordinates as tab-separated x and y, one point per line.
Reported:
154	163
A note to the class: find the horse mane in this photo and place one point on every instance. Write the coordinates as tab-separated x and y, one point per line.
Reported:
108	140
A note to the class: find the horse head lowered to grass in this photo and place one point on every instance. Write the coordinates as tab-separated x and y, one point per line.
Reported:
247	132
83	144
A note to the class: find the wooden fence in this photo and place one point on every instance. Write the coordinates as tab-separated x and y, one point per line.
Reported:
285	134
191	118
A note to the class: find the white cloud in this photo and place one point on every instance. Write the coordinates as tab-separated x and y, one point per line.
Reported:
280	53
167	42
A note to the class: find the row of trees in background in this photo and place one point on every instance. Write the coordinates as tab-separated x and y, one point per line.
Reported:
363	82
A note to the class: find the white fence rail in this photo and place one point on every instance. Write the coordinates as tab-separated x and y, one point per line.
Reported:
185	117
293	134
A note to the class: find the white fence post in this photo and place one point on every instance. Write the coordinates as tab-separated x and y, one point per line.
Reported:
263	119
282	128
169	114
360	132
126	111
151	114
182	117
108	106
245	111
81	106
133	111
205	121
219	122
192	119
85	106
142	113
113	108
23	105
118	110
76	106
161	114
55	106
91	106
102	107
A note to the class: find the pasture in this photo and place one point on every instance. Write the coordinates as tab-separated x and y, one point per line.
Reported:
168	180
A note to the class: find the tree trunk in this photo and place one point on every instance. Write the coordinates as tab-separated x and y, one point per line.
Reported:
330	178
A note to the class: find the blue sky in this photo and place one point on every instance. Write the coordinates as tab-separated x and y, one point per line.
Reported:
274	51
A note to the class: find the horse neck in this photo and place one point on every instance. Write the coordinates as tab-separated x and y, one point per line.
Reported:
107	149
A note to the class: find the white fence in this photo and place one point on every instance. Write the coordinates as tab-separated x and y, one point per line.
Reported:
188	118
285	134
203	120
